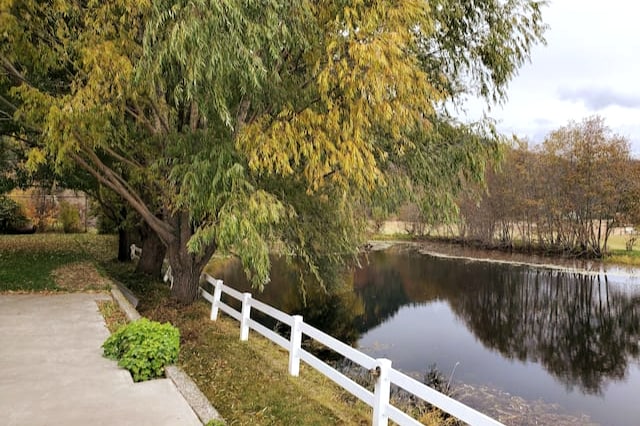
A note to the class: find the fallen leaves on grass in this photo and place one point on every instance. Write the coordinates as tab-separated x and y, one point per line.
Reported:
98	247
80	276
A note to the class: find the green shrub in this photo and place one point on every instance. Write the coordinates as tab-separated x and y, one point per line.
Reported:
69	217
11	215
144	348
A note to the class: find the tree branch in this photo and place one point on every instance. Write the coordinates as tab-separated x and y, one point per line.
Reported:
111	179
159	114
194	116
8	103
29	142
11	69
205	256
142	119
164	231
112	175
119	157
311	102
241	116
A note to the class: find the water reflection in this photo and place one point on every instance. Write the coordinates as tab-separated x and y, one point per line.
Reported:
579	328
334	311
582	329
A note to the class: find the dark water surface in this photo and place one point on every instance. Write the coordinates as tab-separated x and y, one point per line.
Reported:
567	342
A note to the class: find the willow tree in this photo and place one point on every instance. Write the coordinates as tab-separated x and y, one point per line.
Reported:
230	124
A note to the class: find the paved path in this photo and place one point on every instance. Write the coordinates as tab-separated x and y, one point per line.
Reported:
52	371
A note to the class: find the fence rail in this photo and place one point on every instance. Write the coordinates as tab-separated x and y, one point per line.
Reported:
380	368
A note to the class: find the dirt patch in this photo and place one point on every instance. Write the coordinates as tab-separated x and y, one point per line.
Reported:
80	276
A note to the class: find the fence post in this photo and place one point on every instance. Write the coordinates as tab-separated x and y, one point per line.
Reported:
246	314
217	296
381	392
296	342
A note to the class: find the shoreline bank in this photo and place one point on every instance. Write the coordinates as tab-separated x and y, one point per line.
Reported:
455	251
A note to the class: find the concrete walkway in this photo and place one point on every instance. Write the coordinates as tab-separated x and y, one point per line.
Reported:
52	371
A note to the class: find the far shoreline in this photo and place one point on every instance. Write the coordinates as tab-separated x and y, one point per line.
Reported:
593	267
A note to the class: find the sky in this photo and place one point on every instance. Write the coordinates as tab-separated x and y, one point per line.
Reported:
590	66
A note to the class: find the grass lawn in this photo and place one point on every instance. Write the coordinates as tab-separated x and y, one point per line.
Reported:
33	262
618	253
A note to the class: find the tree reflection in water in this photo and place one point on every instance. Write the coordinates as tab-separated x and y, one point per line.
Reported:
583	330
333	309
579	328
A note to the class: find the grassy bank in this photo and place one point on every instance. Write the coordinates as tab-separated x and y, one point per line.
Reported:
624	257
247	382
619	255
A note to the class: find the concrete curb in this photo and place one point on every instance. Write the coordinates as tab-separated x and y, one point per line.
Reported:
185	385
126	306
196	399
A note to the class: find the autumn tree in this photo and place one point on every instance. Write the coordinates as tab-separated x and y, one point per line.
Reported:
593	165
566	195
506	213
230	124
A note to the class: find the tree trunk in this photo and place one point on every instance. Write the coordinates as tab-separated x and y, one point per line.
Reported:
153	252
186	278
186	267
124	250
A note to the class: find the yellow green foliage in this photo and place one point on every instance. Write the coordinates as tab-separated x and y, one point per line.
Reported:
366	84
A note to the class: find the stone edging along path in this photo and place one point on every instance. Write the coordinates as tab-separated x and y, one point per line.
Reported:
185	385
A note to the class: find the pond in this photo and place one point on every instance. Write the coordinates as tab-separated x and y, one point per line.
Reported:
527	344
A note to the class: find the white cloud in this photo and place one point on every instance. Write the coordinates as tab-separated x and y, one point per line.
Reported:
598	99
591	65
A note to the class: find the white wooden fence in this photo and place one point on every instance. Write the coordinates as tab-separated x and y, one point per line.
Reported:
383	411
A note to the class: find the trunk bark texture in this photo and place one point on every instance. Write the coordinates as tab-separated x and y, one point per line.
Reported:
153	252
186	267
186	278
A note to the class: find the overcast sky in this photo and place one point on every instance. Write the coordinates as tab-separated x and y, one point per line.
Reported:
590	65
